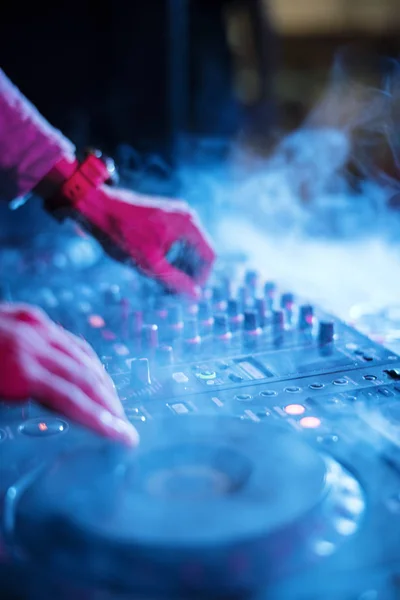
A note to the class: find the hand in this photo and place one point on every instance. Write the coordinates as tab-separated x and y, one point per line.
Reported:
40	360
145	229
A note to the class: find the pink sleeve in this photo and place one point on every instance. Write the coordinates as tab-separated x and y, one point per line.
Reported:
29	145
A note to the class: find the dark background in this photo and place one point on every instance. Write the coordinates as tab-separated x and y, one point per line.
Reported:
130	72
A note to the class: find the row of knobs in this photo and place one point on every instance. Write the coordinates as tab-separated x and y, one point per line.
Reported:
221	316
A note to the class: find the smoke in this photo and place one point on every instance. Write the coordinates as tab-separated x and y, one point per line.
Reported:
317	214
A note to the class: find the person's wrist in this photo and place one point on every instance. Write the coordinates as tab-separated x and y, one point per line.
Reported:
50	185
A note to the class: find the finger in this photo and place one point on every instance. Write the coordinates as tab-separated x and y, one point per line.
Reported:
66	368
174	279
68	399
80	351
192	233
26	313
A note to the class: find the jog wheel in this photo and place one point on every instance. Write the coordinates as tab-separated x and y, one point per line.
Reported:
204	504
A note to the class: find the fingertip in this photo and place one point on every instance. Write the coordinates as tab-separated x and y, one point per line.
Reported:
119	429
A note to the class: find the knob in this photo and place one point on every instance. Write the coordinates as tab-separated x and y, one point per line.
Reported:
149	337
278	326
161	307
234	315
192	337
164	355
251	278
250	320
140	372
221	327
306	317
175	315
270	293
175	322
218	298
112	295
226	286
205	311
287	301
326	332
261	309
244	297
252	331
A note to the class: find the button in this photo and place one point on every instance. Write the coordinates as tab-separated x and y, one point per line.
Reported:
310	422
179	408
3	435
293	390
341	381
140	372
222	366
350	397
235	378
393	373
180	377
295	409
316	386
243	397
263	414
268	393
385	392
330	438
370	377
134	414
205	375
43	427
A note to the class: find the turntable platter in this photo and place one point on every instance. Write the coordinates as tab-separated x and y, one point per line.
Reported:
194	493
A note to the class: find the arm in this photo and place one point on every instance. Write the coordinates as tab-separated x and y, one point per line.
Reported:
33	155
29	146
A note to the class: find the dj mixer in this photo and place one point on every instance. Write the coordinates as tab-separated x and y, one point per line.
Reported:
269	462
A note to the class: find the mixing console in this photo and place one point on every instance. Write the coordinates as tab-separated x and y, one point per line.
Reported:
269	463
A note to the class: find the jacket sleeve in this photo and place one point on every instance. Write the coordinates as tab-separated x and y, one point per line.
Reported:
29	145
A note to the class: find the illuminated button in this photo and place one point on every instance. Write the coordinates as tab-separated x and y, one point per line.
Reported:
293	390
310	422
316	386
243	397
96	321
294	409
341	381
205	375
268	393
370	377
385	392
3	435
43	427
179	408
